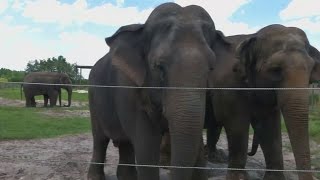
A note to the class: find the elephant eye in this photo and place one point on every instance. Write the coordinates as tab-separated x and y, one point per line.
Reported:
275	73
275	69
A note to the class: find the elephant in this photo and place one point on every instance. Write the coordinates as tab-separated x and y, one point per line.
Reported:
276	56
175	47
49	92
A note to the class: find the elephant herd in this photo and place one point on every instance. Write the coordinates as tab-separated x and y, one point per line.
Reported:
33	87
180	47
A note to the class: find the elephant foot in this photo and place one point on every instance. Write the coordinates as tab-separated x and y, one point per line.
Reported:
96	177
216	155
165	159
126	173
274	175
96	173
237	175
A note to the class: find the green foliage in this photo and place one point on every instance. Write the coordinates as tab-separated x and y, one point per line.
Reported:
54	64
10	75
28	123
3	79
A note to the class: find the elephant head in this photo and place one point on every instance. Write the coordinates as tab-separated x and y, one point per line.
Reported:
281	57
174	48
64	79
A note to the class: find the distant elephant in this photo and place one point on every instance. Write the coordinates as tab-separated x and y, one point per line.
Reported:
49	92
174	48
274	57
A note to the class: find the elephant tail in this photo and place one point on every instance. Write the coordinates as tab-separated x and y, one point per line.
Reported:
255	144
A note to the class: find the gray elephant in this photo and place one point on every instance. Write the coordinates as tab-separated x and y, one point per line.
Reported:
174	48
274	57
49	92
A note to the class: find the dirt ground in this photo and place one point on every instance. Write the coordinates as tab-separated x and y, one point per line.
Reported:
67	157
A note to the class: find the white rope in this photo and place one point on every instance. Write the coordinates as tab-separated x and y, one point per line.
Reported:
161	166
156	87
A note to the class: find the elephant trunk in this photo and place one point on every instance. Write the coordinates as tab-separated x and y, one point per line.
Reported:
186	119
69	90
294	107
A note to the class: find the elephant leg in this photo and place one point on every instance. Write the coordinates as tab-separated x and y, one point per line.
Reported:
237	131
45	98
271	143
53	98
147	148
28	102
33	102
213	134
198	174
100	144
126	156
165	149
214	154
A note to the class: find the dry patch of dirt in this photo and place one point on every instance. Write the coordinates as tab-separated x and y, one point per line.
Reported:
66	113
21	103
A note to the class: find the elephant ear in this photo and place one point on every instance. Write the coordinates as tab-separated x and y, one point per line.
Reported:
222	39
246	53
315	54
126	50
64	79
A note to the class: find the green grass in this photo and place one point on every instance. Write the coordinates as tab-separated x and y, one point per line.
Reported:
28	123
14	93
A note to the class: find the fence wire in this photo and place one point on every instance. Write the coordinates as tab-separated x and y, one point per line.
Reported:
167	87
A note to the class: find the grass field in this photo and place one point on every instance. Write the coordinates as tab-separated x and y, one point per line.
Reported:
29	123
14	93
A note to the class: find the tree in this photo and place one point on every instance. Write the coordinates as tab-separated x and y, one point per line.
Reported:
11	75
54	64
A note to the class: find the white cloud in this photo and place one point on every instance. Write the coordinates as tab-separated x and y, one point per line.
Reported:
18	46
3	5
8	18
306	24
305	15
51	11
120	3
109	14
83	48
300	9
18	5
221	12
17	49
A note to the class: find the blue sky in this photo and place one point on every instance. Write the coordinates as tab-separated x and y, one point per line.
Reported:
39	29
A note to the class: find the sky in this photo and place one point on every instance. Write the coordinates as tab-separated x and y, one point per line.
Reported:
76	29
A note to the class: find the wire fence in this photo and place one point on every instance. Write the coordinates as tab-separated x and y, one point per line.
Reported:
26	158
168	88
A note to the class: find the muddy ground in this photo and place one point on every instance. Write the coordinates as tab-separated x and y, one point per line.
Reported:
67	157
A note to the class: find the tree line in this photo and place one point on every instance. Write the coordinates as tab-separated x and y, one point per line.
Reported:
54	64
